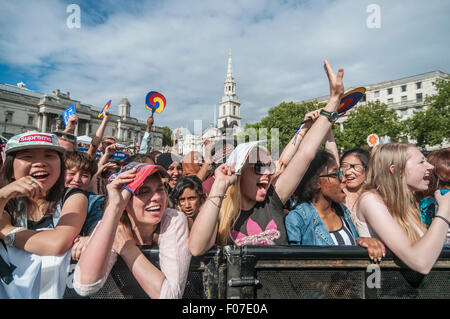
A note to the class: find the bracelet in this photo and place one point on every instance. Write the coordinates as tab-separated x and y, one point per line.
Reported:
444	219
302	135
221	197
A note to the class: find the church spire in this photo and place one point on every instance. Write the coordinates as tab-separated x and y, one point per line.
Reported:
229	68
230	84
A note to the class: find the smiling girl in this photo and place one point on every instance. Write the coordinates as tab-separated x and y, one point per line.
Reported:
319	217
354	165
388	211
33	199
137	215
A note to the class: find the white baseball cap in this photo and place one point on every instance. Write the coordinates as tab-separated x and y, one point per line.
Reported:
33	139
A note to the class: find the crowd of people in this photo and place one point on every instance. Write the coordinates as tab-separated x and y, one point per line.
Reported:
61	206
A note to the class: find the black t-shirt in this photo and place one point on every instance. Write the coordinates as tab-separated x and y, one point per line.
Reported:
263	224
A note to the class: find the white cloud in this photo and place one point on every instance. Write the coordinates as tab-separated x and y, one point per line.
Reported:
180	48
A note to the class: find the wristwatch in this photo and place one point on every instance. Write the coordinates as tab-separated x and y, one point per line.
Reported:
9	239
332	116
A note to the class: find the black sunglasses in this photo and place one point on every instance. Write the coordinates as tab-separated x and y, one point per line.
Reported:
260	168
69	136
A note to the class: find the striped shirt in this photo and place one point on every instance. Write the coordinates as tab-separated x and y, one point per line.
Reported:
343	236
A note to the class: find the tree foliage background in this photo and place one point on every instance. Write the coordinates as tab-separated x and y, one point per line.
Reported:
167	136
429	127
372	118
432	126
286	118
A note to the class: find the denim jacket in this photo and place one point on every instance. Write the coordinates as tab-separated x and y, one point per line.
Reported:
305	227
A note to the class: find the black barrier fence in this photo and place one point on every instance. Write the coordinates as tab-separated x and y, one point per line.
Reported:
288	272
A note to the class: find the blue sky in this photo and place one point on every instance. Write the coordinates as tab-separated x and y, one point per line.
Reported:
180	48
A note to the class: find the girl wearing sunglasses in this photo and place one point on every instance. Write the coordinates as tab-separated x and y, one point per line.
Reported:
245	204
319	218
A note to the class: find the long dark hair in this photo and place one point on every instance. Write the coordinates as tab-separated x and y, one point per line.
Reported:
308	185
184	182
53	195
362	154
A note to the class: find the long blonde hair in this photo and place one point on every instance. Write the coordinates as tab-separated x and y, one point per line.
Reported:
231	205
229	212
392	187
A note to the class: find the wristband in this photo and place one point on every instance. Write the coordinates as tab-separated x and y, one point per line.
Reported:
221	197
444	219
9	239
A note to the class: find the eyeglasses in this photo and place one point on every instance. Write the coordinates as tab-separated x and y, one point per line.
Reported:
339	175
357	167
261	168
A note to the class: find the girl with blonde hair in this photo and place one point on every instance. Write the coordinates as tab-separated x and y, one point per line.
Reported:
245	204
387	208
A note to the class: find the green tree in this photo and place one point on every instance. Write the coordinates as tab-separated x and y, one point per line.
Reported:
167	136
286	117
374	117
432	125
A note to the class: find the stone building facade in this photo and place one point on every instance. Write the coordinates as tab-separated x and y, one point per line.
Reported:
24	110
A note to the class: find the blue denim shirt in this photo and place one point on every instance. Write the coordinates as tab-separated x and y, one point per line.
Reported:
305	227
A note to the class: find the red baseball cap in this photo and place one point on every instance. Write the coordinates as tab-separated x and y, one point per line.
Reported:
143	171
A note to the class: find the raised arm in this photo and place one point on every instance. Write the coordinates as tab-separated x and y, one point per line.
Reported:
52	242
144	147
204	171
97	139
72	123
331	146
204	230
420	255
93	264
288	181
292	147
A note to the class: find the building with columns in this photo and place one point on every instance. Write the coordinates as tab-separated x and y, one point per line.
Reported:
24	110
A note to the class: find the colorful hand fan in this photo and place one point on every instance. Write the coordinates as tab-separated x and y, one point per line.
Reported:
102	113
348	100
155	102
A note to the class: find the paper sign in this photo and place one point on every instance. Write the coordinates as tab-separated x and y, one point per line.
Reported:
68	112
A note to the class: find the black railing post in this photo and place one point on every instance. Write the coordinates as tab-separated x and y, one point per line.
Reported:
241	281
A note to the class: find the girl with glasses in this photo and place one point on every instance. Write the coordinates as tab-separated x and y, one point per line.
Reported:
354	164
245	204
319	218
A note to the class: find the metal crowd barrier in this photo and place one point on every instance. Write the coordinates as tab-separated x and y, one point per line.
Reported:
292	272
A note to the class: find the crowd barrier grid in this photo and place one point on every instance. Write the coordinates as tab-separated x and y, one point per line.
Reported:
292	272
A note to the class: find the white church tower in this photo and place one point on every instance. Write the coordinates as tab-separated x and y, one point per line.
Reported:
229	107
